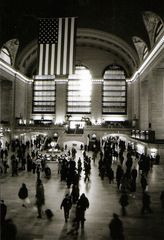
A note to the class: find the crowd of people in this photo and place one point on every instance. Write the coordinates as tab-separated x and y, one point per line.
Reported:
129	165
117	162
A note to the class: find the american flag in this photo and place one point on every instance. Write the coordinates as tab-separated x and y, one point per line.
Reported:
56	44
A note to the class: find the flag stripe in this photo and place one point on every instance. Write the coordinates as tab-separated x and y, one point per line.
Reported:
65	46
52	59
59	47
46	60
68	45
49	58
40	58
71	46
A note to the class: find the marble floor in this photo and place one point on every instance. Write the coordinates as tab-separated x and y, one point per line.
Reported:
104	201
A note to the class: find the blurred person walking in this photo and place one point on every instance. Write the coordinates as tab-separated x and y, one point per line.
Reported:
40	199
66	204
116	228
23	195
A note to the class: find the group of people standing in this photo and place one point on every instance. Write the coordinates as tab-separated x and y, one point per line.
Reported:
40	197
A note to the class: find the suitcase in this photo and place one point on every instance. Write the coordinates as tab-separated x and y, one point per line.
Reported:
49	213
48	172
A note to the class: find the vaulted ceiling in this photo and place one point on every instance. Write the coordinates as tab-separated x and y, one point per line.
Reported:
121	18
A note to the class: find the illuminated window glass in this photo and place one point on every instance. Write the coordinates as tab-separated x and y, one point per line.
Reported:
114	91
5	55
44	96
79	91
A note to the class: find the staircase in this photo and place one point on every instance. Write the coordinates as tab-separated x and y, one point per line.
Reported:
72	139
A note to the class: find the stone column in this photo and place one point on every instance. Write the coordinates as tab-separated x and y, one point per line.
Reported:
130	101
136	100
144	93
29	100
13	96
157	102
96	103
20	97
61	99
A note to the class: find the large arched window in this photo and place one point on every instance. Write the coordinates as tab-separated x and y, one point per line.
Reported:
5	55
114	91
44	97
79	91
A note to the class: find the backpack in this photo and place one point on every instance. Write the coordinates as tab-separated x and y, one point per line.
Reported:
22	193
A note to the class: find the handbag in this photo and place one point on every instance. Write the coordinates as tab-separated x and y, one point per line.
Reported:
27	200
147	188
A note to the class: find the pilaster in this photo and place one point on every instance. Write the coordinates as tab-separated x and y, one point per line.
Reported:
96	107
157	102
61	99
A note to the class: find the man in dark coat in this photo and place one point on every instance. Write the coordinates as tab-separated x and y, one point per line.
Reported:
143	182
82	205
119	175
40	200
146	201
23	194
162	199
66	204
134	174
75	193
116	228
9	230
124	202
3	211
